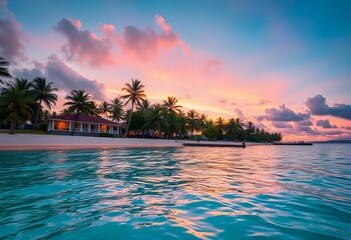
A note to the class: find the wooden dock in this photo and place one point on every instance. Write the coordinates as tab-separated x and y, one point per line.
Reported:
200	144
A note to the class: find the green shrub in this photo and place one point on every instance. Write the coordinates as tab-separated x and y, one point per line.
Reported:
212	132
106	135
43	127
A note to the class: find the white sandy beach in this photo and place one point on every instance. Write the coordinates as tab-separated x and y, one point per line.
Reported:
56	142
17	142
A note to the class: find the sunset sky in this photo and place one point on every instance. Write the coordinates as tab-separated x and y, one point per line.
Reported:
285	65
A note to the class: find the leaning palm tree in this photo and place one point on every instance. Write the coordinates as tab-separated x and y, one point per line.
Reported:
16	103
135	93
239	123
45	93
4	69
171	105
79	102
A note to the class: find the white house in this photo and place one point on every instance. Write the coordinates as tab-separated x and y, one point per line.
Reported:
86	125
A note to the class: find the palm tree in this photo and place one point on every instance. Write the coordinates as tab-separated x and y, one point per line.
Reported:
203	121
210	123
3	69
45	93
183	122
104	108
171	105
250	127
20	84
64	111
95	110
155	118
193	120
117	110
220	122
233	127
144	105
79	102
16	101
174	123
135	94
239	123
46	115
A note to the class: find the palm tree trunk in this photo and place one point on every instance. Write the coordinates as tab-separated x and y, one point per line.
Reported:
37	116
130	118
12	127
75	122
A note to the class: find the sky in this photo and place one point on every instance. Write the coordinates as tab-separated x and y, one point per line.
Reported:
285	65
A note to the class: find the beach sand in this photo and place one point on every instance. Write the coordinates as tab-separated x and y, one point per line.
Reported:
21	142
17	142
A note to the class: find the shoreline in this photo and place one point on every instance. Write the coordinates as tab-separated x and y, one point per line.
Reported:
25	142
35	142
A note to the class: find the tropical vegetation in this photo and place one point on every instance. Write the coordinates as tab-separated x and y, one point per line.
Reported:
22	100
79	102
4	72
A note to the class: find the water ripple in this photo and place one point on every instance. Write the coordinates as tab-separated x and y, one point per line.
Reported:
272	192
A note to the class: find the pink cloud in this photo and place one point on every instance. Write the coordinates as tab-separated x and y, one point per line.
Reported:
146	44
142	44
211	66
108	28
76	23
67	78
11	37
160	21
83	45
239	113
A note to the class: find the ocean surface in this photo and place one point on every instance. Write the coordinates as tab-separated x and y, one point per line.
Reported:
261	192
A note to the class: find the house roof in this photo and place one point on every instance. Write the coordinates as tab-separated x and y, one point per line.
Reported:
84	118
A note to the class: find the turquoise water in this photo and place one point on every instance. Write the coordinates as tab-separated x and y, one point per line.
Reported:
264	192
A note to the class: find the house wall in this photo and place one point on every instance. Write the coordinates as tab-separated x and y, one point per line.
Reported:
61	126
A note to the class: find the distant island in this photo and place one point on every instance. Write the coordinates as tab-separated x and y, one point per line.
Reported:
335	141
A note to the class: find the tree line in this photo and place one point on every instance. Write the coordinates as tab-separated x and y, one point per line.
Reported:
22	100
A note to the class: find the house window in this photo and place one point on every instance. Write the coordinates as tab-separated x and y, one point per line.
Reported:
93	128
85	127
104	129
61	125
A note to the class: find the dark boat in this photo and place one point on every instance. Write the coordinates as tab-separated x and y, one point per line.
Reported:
294	143
212	145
